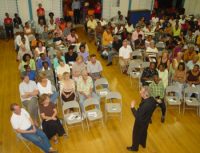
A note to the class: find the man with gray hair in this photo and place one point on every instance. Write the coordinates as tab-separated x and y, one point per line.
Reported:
142	118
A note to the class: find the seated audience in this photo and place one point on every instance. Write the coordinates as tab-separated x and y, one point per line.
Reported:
27	60
84	53
78	67
59	56
129	28
193	76
71	55
29	72
189	54
24	48
107	38
43	58
139	43
163	74
125	56
45	87
157	91
67	88
62	67
136	33
152	52
94	68
148	73
72	38
39	49
116	45
17	30
195	60
50	122
35	41
91	25
179	77
85	88
164	59
51	25
23	124
28	32
28	94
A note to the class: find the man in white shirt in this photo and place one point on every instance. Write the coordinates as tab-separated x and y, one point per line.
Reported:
94	67
125	55
23	124
28	94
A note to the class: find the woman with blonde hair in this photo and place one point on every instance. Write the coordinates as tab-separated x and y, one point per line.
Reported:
45	87
164	59
50	123
78	67
67	88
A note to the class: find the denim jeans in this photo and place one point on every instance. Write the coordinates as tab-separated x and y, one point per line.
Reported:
39	139
83	98
110	55
54	97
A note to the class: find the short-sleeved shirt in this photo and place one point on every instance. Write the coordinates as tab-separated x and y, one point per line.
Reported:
47	110
83	86
21	121
94	68
125	52
78	68
61	70
85	56
70	58
40	11
157	89
45	90
26	87
8	21
92	24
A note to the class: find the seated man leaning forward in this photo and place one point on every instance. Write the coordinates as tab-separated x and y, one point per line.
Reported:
23	124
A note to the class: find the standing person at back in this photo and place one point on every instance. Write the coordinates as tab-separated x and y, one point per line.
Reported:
41	13
76	5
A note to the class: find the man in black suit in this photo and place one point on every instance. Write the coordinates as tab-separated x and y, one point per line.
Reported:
142	119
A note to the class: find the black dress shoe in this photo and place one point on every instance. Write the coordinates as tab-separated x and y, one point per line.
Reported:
143	145
109	64
132	149
162	119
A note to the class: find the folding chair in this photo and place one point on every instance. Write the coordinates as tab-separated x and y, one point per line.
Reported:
191	101
24	141
99	86
134	70
160	45
171	97
137	54
72	118
113	104
91	113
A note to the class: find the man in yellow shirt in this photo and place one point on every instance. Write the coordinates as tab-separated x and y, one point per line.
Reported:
91	25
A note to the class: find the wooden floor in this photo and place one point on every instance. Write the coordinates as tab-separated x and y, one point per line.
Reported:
179	134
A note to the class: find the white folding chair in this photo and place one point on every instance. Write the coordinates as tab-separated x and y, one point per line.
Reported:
113	105
160	45
134	70
171	97
189	101
99	86
24	141
137	54
92	113
73	118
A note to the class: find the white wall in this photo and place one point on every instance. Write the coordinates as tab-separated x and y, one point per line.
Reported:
141	4
192	7
23	9
49	6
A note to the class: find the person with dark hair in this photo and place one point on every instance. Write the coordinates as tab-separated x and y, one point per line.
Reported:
157	91
84	53
139	43
29	72
39	49
51	15
28	94
42	59
94	68
41	13
29	32
148	73
163	74
8	23
72	37
35	41
47	71
50	122
23	124
142	119
70	56
76	5
193	76
17	20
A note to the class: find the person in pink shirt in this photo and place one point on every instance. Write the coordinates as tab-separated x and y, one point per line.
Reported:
136	33
72	37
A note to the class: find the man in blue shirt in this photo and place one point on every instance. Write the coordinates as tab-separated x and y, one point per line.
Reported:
42	59
29	72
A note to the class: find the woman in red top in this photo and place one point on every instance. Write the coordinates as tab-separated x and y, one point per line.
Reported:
97	11
41	13
8	23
